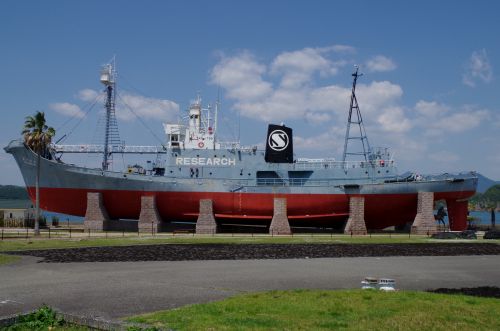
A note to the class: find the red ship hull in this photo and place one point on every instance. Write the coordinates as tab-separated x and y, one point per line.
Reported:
381	210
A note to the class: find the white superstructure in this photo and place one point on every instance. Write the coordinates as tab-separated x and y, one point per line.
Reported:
200	132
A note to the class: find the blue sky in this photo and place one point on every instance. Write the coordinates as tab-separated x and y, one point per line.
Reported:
430	88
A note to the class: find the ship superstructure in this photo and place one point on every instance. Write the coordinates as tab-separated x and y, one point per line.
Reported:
242	182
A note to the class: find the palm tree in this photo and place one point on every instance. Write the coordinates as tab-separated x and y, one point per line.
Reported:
37	136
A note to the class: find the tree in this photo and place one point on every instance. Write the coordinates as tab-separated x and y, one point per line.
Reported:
37	136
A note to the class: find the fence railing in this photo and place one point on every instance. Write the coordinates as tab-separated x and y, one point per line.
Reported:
80	233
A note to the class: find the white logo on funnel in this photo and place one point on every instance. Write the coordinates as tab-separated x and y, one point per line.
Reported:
278	140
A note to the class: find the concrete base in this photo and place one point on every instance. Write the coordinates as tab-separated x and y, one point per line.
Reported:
96	216
356	223
121	225
424	222
149	219
206	221
279	223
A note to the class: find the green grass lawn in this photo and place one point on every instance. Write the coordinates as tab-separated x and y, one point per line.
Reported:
4	259
27	244
333	310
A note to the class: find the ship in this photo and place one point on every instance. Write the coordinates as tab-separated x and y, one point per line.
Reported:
241	181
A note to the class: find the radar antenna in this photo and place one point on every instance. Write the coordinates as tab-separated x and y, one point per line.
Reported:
111	135
358	120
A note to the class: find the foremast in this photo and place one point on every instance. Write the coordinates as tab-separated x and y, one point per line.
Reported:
357	120
111	136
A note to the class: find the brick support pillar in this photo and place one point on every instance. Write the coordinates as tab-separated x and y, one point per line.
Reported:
149	218
206	221
424	222
356	222
96	216
279	223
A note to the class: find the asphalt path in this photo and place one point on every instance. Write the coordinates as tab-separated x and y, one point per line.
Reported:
111	290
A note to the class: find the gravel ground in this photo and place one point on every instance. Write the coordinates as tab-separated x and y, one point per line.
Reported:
191	252
482	291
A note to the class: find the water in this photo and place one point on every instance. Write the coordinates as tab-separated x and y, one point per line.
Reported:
63	218
484	217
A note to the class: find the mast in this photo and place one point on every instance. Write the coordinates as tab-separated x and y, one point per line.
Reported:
358	121
216	115
108	79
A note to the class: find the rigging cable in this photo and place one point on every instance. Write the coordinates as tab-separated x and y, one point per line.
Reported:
79	121
142	122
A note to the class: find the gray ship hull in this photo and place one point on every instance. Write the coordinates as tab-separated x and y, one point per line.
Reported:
242	187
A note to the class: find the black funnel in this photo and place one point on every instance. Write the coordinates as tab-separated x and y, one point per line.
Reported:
279	144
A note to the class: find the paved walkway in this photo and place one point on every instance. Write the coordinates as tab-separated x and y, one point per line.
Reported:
117	289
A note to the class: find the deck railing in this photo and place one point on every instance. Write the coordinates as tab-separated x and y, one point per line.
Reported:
121	149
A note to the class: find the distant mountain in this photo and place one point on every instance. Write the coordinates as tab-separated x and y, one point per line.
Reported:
12	192
488	199
15	204
484	183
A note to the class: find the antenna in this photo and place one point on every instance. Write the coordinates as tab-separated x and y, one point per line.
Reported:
216	115
111	136
359	121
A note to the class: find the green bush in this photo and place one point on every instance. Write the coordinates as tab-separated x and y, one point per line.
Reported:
41	319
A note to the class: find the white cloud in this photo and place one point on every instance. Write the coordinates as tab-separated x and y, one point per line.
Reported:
377	95
331	98
463	121
288	88
87	95
297	67
317	118
496	121
313	143
67	109
431	109
330	141
241	76
340	49
436	119
380	63
393	119
144	107
478	69
149	108
248	83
